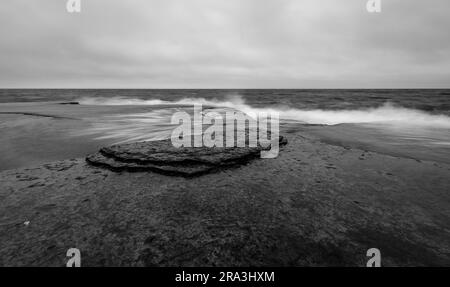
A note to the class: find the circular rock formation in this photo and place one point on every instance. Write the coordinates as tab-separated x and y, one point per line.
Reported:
163	157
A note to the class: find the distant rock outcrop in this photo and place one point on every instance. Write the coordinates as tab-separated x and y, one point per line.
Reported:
163	157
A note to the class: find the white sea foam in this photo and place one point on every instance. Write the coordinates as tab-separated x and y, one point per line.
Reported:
386	114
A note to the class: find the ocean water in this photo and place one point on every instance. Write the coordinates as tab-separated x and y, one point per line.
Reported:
37	128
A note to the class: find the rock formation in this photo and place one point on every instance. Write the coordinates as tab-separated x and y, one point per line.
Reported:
163	157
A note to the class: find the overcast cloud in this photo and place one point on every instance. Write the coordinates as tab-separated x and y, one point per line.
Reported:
225	44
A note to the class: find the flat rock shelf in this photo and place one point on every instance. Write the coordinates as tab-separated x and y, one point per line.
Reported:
163	157
315	204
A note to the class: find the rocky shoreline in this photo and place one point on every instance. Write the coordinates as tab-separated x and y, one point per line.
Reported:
314	205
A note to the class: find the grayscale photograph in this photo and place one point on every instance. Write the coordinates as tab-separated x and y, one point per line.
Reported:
225	133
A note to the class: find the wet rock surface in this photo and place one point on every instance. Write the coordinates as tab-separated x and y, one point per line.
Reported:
163	157
293	210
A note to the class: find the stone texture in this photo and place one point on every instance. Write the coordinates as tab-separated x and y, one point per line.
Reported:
163	157
314	205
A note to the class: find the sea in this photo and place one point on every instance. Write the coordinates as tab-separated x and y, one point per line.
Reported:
43	125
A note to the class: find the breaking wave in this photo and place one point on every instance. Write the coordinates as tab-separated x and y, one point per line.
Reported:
387	113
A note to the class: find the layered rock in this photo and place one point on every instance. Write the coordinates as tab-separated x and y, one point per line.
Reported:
163	157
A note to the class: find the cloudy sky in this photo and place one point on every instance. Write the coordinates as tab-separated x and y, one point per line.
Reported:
225	44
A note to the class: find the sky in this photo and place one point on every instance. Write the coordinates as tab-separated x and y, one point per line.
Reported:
224	44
